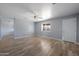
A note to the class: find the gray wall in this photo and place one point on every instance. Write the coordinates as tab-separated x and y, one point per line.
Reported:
0	28
23	27
56	29
7	26
78	29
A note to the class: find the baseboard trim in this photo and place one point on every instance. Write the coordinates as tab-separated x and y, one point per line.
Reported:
46	37
57	39
23	36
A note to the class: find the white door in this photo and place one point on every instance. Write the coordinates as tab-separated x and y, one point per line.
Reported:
69	29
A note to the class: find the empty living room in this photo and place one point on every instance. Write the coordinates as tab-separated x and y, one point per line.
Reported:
39	29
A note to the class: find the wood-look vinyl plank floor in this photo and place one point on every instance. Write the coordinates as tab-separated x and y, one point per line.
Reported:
37	46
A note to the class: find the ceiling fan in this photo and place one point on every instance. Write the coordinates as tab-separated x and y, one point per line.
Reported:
35	15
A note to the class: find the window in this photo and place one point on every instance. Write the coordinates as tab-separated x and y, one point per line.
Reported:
45	27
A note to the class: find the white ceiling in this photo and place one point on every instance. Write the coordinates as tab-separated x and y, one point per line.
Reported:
44	10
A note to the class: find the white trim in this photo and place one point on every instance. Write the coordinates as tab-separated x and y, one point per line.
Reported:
49	38
56	39
23	36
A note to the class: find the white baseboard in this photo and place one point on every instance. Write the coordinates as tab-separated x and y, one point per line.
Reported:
50	38
56	39
23	36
